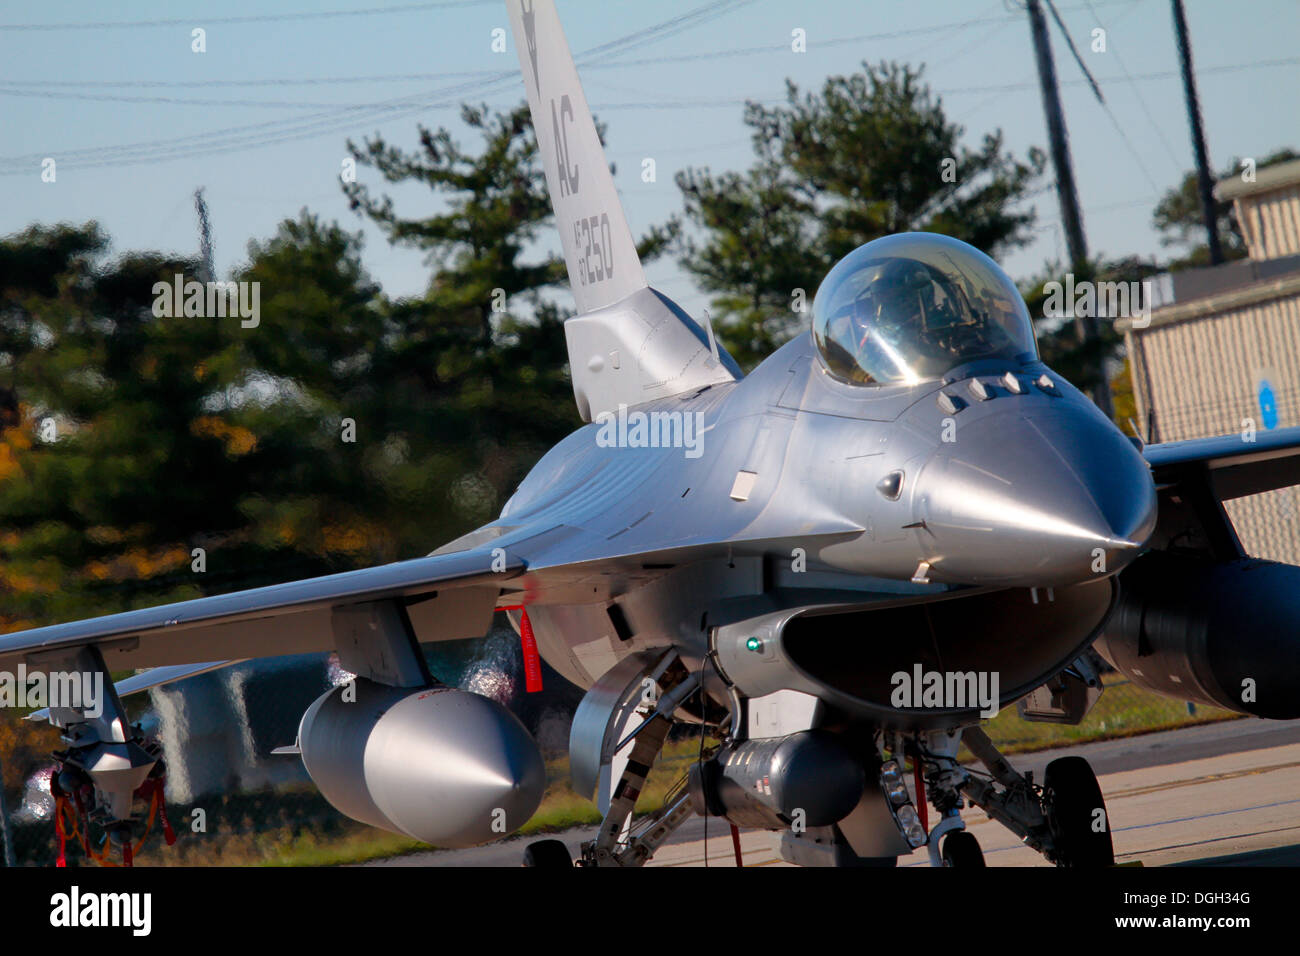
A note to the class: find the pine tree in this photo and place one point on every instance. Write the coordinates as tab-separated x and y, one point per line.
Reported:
868	155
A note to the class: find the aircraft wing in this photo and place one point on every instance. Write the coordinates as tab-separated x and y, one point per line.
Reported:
1195	477
1235	467
447	596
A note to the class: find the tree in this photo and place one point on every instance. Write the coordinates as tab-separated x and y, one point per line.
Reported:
481	354
114	455
496	204
31	264
753	221
869	155
1058	342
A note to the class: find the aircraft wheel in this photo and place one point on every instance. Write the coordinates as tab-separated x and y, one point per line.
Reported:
547	853
1072	798
962	850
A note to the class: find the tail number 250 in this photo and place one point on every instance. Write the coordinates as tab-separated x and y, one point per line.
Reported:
596	258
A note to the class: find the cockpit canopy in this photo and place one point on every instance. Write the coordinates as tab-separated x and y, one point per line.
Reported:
909	307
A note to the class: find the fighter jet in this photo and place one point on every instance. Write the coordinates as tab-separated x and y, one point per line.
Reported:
837	567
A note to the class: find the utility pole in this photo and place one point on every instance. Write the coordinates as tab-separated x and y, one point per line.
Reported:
205	235
1204	183
1071	218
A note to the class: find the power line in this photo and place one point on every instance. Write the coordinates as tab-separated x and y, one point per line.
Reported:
283	81
1155	75
251	135
334	120
622	64
1129	10
252	18
277	17
404	105
1128	144
7	87
171	100
1138	93
1074	50
337	119
1001	24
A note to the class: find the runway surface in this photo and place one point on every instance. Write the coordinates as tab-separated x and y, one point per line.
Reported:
1225	794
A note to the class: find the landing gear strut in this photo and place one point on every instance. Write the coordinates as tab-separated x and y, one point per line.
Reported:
110	775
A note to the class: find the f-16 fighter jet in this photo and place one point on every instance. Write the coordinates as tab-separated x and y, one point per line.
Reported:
837	566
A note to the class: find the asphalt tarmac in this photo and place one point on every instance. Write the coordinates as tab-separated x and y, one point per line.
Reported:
1224	794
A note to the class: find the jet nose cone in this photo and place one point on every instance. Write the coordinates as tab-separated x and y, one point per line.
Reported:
1053	497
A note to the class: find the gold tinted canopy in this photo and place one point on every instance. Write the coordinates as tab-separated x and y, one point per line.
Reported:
907	308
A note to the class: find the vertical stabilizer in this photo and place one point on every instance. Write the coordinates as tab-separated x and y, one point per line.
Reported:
628	344
598	245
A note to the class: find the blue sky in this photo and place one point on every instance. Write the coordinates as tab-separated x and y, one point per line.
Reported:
219	126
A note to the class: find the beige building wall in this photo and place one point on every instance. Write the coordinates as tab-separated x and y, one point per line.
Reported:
1271	223
1197	370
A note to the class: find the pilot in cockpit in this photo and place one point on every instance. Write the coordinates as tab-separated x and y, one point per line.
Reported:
910	307
911	317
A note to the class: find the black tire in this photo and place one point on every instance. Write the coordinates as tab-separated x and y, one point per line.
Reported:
547	853
962	851
1072	797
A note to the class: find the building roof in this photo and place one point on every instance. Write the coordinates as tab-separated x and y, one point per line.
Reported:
1277	176
1241	297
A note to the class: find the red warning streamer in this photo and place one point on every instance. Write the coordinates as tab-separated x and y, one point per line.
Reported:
532	660
735	844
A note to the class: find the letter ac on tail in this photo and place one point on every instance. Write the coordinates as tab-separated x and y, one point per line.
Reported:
629	344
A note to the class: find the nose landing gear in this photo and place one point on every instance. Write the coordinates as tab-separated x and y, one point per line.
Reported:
962	850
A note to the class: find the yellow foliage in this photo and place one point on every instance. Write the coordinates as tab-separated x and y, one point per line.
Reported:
12	580
8	463
12	440
138	564
16	438
104	534
1121	390
238	440
25	745
343	538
